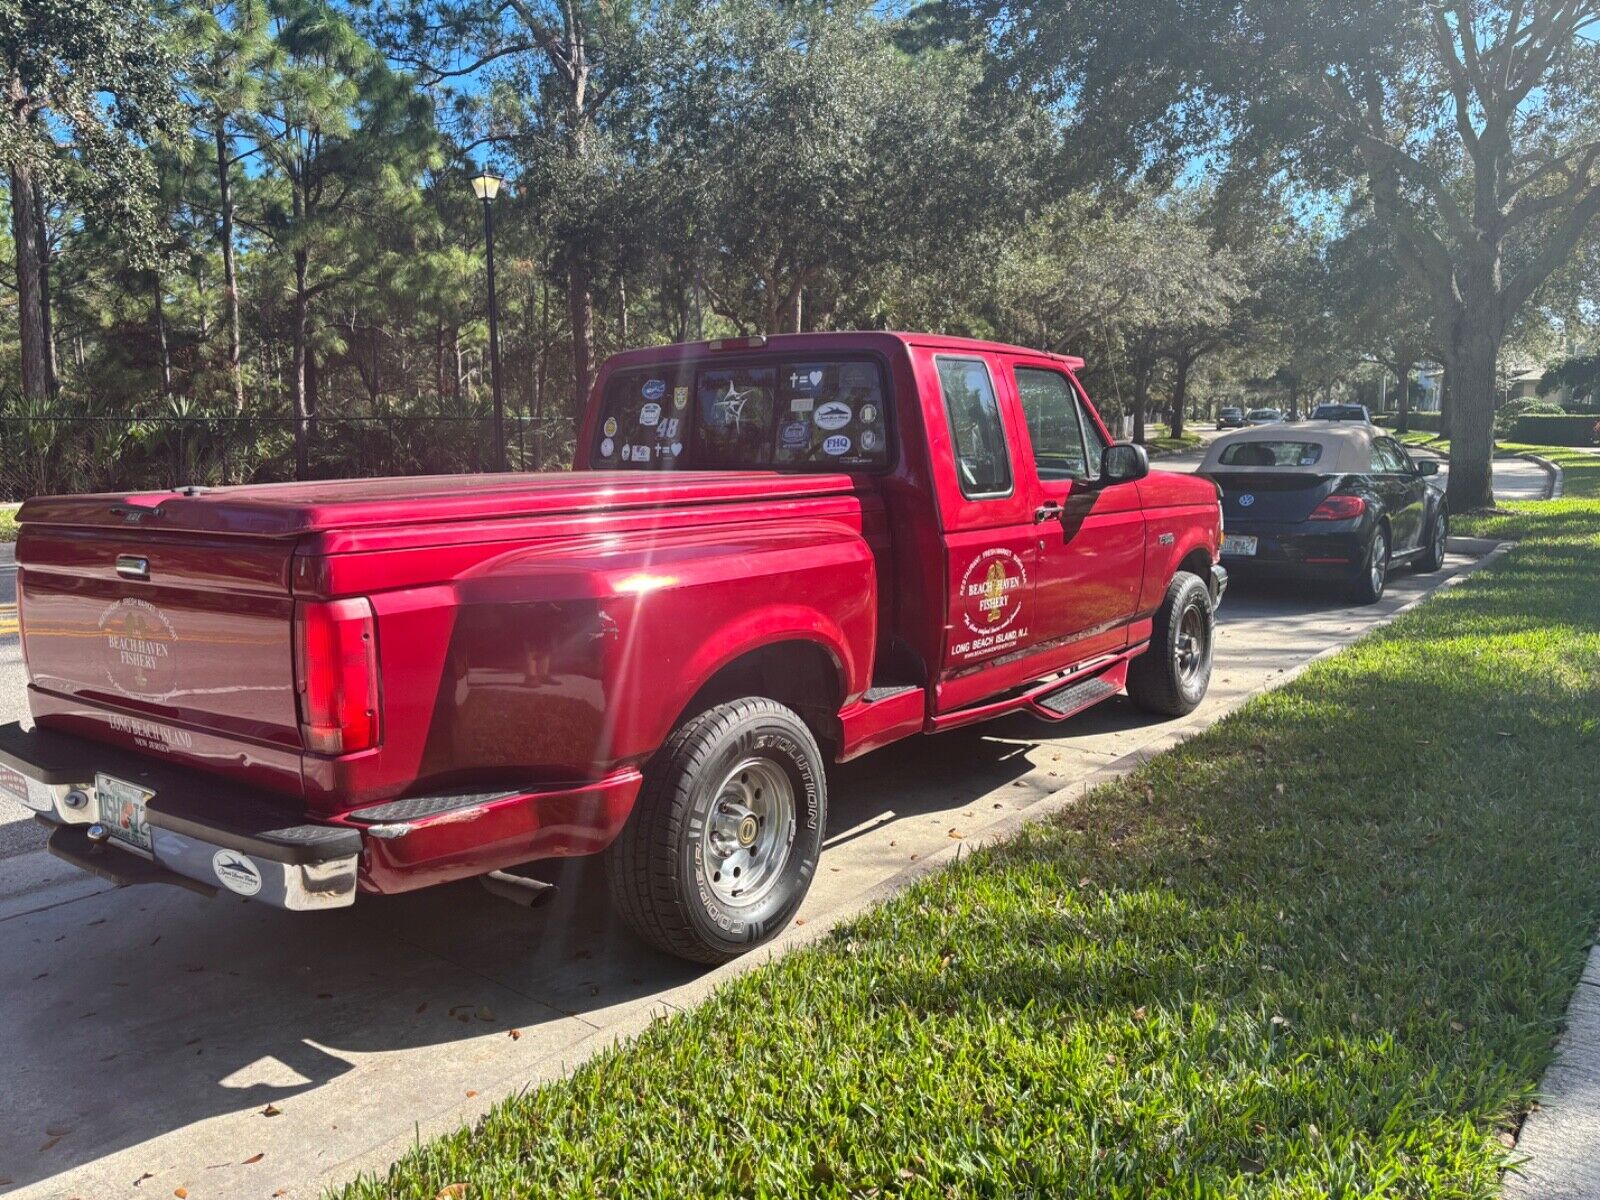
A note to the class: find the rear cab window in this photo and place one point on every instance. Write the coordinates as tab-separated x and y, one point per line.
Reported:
788	414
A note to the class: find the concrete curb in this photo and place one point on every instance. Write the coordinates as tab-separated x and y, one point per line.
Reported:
819	924
1554	485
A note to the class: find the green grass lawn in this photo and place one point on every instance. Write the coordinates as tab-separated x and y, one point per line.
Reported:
8	524
1159	440
1322	949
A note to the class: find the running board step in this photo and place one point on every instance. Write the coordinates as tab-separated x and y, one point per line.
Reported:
1073	698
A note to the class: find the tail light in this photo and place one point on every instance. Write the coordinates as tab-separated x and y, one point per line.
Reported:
336	675
1339	508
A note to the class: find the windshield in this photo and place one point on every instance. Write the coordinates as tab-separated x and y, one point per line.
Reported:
1263	414
783	414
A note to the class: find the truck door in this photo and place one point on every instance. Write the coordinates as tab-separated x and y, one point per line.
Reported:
1091	539
986	514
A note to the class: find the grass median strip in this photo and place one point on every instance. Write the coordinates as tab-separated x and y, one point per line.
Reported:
1323	948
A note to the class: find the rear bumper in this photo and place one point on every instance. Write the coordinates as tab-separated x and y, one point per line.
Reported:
208	833
205	833
1289	550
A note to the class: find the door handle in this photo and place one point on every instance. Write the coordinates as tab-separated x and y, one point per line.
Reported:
1047	511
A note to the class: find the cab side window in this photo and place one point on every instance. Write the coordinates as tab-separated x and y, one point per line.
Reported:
1399	460
982	463
1055	424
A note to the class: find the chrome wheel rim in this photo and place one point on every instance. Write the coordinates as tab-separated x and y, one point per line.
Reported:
1380	561
1441	536
1189	649
748	832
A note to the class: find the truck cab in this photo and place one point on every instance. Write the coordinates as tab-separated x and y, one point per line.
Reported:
772	553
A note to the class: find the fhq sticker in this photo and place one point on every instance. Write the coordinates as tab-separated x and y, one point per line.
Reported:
653	389
992	591
833	415
836	445
650	415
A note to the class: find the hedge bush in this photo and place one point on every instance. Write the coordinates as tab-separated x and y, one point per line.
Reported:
1545	430
1428	422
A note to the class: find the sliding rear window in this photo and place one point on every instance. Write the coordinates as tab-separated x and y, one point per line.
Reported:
789	414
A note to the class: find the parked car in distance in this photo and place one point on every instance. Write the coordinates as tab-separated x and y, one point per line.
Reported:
1338	502
1230	417
1264	416
772	555
1342	412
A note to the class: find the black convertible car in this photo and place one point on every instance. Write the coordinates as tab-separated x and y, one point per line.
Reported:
1342	503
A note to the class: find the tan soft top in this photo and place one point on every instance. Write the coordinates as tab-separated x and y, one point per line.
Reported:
1346	447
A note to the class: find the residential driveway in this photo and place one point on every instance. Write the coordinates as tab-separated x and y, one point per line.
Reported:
146	1031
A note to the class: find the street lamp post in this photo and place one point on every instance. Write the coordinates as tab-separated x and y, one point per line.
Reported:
486	187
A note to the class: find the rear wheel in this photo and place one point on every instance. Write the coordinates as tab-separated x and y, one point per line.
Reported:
724	839
1432	558
1373	575
1171	677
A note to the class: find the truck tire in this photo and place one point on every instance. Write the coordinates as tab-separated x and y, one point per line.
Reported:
1171	677
723	842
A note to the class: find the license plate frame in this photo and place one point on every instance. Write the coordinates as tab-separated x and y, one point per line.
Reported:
1240	545
122	811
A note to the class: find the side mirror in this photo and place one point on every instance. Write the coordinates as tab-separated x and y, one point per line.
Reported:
1123	462
1426	466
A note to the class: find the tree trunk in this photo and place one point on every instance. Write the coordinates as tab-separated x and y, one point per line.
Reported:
302	413
1471	372
230	270
1403	377
1141	398
161	334
580	303
1180	394
30	289
51	365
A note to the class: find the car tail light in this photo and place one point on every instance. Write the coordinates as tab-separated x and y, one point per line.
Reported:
1338	508
336	675
754	342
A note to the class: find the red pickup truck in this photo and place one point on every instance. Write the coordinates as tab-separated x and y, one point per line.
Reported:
773	554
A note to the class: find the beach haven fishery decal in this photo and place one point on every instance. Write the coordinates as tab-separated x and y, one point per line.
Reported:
990	599
139	646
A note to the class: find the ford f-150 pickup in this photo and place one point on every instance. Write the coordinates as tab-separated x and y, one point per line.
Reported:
772	555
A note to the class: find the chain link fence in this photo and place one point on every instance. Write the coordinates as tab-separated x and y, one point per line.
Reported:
48	454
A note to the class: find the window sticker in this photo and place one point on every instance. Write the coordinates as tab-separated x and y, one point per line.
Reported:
734	411
833	415
607	448
680	398
610	427
869	414
836	445
794	435
653	389
650	415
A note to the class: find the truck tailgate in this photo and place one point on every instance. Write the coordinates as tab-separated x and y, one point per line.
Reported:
194	630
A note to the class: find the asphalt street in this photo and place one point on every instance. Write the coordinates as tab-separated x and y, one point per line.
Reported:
156	1040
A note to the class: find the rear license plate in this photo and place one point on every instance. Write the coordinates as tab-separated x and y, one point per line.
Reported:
122	810
1239	545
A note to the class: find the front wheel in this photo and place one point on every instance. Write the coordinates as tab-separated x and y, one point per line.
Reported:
1171	677
724	839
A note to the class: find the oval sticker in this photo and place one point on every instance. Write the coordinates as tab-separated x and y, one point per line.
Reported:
653	389
836	445
610	427
650	415
236	872
833	415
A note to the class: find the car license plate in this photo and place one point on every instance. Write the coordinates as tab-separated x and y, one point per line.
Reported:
122	810
1239	545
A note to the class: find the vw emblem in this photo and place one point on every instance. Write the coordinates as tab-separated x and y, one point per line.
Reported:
1246	500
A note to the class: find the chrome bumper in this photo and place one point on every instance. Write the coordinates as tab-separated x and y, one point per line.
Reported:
205	834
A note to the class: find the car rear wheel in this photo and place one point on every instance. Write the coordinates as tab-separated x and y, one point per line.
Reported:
724	839
1171	677
1373	575
1432	558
